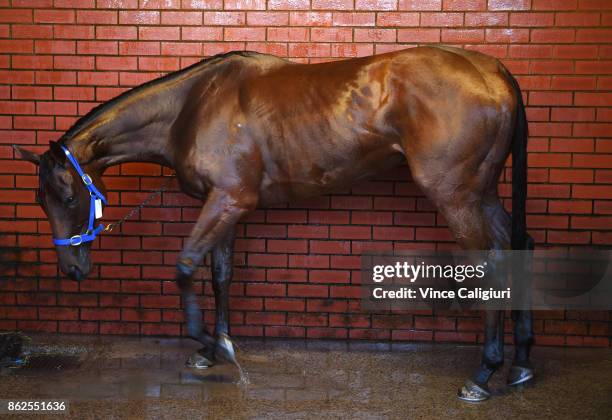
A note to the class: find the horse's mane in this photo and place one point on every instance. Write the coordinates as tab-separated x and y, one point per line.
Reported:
98	110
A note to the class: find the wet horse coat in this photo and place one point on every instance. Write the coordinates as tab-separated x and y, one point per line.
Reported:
243	130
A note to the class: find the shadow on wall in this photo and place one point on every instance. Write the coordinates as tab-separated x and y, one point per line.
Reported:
10	258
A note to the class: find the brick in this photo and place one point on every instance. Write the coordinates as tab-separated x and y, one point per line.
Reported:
32	31
331	34
577	19
116	32
118	328
296	290
593	67
267	260
464	5
353	19
29	92
349	292
592	191
532	19
507	35
462	35
594	35
573	114
287	34
245	4
139	48
181	48
170	33
397	19
441	19
267	18
509	4
16	46
420	5
350	232
351	50
553	35
411	335
17	77
140	17
97	47
554	4
98	314
116	63
594	5
443	336
317	4
550	98
486	19
71	62
375	35
288	246
375	4
328	276
308	231
299	4
73	31
164	64
224	18
595	223
54	16
15	16
105	17
575	51
310	18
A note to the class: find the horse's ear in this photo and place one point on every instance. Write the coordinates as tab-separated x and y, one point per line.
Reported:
24	154
57	152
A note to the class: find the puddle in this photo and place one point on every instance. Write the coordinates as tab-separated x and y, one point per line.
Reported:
46	363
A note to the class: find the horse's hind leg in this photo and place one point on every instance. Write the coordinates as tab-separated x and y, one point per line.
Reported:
483	225
521	370
222	272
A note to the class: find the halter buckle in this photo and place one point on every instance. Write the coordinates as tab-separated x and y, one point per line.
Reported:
87	179
76	240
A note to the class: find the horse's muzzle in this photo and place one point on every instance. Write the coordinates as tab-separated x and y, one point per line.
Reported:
75	273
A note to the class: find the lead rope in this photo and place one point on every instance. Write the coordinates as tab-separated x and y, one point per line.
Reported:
111	226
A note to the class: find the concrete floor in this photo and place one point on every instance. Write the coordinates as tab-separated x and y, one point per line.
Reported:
121	377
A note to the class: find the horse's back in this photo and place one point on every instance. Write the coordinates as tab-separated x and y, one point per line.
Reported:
307	129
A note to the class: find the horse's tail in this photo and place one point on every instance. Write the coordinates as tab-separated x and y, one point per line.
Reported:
519	172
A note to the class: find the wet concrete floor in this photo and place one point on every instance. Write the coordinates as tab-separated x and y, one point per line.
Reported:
122	377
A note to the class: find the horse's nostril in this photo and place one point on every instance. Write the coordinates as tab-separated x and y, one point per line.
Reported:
75	273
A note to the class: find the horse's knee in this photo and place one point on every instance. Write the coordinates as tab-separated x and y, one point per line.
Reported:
185	268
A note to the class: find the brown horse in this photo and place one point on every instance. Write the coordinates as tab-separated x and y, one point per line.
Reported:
243	130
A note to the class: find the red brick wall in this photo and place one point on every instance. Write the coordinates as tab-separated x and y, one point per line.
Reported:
296	266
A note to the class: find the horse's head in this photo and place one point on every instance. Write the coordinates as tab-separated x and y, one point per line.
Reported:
66	201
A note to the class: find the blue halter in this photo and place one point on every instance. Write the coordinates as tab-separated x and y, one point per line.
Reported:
94	195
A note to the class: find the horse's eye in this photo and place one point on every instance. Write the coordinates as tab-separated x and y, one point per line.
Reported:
70	200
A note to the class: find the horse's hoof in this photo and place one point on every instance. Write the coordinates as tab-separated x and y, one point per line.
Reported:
199	360
225	349
519	375
473	392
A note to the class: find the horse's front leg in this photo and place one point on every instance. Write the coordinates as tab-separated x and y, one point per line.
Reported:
217	219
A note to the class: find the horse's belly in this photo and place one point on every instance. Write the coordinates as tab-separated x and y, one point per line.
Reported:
314	178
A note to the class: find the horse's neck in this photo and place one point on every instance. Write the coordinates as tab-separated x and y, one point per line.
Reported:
136	129
130	135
